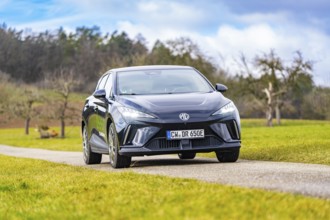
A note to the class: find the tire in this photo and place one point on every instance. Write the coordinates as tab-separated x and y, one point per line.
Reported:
116	160
89	156
187	155
228	156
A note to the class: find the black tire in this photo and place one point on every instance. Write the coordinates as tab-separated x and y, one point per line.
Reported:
187	155
116	160
228	156
89	156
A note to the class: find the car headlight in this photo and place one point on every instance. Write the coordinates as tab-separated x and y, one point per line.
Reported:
131	113
230	107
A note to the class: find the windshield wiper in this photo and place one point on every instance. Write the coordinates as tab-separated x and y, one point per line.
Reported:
128	93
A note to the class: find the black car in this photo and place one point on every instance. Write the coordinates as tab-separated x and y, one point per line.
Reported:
152	110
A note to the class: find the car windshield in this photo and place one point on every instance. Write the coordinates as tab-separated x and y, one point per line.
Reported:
166	81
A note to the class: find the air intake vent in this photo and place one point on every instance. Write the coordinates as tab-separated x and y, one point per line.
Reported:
233	129
207	141
162	143
168	144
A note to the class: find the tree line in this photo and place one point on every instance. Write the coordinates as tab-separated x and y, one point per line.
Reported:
266	86
31	57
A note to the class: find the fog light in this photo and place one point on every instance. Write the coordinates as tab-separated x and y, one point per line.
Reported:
143	135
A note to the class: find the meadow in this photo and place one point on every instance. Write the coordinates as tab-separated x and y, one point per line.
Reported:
294	141
35	189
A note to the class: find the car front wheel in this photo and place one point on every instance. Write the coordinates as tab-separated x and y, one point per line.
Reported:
228	156
89	156
116	160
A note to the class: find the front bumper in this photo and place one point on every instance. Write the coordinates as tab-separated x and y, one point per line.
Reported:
140	139
157	149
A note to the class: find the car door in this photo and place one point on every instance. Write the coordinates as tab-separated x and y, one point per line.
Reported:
103	106
96	122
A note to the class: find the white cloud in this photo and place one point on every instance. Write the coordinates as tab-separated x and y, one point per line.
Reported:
254	39
148	7
168	14
253	18
250	40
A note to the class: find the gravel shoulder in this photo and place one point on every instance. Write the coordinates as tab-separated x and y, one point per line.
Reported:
306	179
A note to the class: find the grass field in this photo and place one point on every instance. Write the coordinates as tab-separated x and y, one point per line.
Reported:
295	141
34	189
16	137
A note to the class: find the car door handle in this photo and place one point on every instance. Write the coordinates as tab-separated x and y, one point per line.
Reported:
96	108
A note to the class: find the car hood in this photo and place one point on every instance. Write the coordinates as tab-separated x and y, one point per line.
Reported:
169	106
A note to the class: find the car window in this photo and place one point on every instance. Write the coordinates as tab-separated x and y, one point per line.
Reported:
102	82
108	86
166	81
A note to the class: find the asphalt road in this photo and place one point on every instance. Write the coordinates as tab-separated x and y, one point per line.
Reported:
306	179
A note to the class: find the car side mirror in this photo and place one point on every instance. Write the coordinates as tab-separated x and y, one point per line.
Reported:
220	87
100	94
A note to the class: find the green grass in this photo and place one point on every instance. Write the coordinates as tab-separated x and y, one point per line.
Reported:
35	189
295	141
16	137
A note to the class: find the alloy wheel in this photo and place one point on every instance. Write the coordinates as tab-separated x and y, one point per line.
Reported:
112	147
85	144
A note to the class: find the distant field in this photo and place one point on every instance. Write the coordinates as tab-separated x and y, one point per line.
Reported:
16	137
295	140
35	189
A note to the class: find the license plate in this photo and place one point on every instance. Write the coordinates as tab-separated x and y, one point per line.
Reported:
185	134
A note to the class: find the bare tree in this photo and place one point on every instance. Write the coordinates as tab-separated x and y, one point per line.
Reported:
62	81
23	104
272	68
278	84
252	86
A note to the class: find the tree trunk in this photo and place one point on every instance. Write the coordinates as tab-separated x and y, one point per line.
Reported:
27	125
269	112
278	114
269	116
65	105
62	128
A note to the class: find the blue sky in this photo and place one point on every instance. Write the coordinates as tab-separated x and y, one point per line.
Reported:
222	29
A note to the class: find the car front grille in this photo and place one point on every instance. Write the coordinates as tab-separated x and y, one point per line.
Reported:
163	143
208	141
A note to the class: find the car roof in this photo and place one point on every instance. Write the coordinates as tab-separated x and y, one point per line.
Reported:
151	67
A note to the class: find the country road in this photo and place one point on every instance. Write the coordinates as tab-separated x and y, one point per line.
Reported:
306	179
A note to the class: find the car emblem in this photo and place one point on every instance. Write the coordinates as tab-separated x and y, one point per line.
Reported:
184	116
